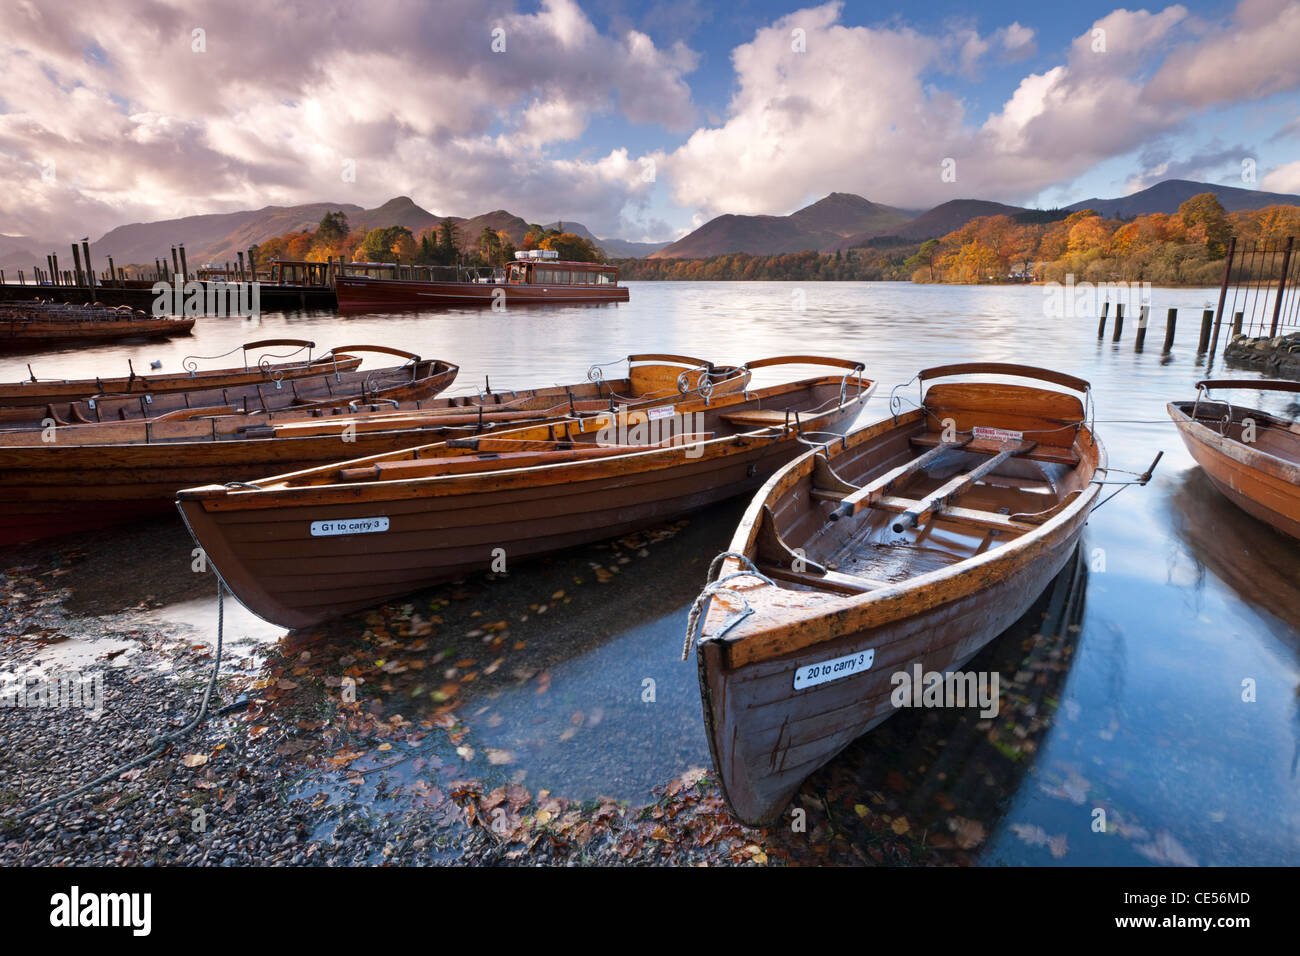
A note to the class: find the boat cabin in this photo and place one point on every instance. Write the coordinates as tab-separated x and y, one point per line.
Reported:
560	272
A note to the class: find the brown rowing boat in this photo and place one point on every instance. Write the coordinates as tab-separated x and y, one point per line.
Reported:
911	543
1251	456
338	381
40	392
79	477
300	548
29	326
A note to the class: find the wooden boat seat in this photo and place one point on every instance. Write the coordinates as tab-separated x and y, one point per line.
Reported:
757	416
824	580
955	514
983	446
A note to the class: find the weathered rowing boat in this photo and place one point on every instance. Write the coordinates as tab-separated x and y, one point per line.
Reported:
913	542
28	326
1251	456
255	368
299	548
79	477
415	378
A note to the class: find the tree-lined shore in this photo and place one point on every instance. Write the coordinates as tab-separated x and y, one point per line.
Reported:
1183	248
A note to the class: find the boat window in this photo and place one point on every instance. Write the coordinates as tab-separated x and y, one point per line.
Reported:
562	276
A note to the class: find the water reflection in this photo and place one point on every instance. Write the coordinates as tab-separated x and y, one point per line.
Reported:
1189	596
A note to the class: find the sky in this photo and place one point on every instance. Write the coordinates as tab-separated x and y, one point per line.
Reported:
640	120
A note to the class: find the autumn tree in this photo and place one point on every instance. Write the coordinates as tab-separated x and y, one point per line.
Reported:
1207	223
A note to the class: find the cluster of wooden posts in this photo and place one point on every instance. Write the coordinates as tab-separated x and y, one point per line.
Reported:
83	276
1248	272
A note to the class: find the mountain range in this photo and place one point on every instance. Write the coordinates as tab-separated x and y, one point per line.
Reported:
219	237
834	223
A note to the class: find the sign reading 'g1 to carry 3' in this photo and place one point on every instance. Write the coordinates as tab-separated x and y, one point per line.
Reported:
348	526
814	674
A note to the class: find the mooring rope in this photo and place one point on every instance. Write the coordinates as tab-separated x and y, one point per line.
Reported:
159	743
695	619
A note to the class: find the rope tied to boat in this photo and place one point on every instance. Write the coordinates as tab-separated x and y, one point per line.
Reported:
712	589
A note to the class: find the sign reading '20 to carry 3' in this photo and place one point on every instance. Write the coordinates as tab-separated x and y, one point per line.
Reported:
813	674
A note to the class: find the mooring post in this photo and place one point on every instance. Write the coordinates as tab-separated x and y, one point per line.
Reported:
90	273
1223	296
252	263
1119	321
1142	328
185	269
1281	287
1171	323
112	270
1101	326
21	280
241	265
76	265
1207	318
176	265
1237	321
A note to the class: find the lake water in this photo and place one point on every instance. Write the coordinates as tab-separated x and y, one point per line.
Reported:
1184	597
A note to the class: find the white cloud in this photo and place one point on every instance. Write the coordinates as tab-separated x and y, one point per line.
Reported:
142	127
1282	179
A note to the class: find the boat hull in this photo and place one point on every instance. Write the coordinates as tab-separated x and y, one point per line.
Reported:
777	740
932	600
18	335
1258	483
280	551
356	292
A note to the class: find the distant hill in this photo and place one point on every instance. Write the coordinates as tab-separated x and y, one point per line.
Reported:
613	248
1167	196
939	221
826	221
219	237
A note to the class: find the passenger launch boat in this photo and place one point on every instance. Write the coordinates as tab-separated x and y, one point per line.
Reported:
299	548
78	477
526	281
1251	456
910	544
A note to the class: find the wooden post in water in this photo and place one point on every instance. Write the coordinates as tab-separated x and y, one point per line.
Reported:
21	280
1237	321
1101	326
1281	287
76	265
1207	318
112	271
1119	321
252	264
241	265
1171	323
176	265
90	273
185	268
1223	296
1142	328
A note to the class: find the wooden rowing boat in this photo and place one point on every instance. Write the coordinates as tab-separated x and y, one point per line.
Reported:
914	541
80	477
40	392
1251	456
300	548
31	326
331	386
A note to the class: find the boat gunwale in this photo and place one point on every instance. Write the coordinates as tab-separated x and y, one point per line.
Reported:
220	498
1248	456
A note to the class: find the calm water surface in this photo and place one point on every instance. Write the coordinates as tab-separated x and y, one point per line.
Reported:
1186	597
